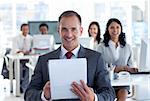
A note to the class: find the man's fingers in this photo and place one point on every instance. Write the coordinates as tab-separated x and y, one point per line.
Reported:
47	86
78	89
86	88
72	89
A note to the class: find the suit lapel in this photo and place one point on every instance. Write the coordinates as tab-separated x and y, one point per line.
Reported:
81	52
55	54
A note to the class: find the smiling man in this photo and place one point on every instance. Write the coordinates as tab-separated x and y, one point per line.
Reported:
98	86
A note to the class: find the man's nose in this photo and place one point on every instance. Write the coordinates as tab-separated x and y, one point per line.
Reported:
69	32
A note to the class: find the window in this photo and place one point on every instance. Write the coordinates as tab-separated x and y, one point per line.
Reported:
132	13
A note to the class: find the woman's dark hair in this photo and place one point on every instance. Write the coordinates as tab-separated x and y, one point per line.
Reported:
98	38
122	37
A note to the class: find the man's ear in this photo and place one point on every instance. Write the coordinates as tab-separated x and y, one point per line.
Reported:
58	29
81	29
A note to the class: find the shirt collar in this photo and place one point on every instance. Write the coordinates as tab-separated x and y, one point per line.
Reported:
64	51
115	50
113	44
24	36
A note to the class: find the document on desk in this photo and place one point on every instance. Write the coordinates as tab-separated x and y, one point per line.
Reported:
62	72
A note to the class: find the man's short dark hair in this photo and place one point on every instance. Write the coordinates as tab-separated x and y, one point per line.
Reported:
70	13
43	25
24	24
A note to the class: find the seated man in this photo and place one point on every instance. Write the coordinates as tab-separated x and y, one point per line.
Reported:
43	28
22	45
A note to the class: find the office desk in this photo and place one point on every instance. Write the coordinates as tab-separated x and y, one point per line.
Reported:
16	59
134	79
142	87
119	82
31	69
142	83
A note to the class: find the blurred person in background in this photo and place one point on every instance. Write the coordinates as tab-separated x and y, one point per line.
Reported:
95	32
22	46
43	28
117	52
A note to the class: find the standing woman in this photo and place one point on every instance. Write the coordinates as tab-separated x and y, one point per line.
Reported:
116	51
94	31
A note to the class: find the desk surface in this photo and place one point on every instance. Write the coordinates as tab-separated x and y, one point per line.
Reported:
20	56
133	80
142	72
16	59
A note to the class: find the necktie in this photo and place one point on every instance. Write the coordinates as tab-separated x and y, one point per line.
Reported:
69	55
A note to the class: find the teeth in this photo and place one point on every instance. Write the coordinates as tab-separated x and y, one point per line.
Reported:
69	39
115	33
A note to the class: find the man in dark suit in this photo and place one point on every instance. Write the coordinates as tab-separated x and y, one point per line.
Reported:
98	87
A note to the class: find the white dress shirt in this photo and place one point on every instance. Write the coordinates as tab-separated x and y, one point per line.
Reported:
114	49
64	51
22	43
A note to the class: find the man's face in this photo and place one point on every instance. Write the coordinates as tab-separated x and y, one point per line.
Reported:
25	30
70	30
44	30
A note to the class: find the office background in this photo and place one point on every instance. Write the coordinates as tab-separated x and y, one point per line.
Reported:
132	13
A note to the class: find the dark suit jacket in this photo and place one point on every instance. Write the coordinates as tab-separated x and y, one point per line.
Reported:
98	77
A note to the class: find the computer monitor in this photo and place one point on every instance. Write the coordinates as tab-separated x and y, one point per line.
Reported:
42	44
87	42
52	25
144	63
